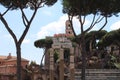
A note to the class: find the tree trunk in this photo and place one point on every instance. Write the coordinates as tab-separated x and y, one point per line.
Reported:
83	52
19	69
42	58
45	51
90	47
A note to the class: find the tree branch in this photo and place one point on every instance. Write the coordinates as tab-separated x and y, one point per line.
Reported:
99	20
24	18
27	27
70	19
84	19
8	28
42	1
104	24
81	24
94	22
6	11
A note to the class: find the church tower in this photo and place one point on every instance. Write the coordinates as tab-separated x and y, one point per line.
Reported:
68	29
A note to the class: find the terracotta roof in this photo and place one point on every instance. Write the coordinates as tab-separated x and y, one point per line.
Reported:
12	58
15	58
3	57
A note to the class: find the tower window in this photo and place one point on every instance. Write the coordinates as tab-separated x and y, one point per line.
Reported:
68	27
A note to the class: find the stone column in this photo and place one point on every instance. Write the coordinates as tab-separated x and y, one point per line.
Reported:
51	64
61	64
72	64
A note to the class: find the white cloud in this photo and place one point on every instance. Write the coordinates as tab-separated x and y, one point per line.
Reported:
57	27
26	41
52	28
49	13
115	26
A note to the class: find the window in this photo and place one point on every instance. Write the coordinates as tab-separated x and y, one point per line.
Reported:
68	27
0	63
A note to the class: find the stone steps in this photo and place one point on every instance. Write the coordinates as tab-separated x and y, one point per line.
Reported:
99	74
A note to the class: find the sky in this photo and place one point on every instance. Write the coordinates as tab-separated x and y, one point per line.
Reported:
48	21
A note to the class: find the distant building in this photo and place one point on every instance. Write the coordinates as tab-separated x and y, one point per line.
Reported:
8	65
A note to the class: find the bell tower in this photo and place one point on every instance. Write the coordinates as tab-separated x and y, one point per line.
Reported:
68	29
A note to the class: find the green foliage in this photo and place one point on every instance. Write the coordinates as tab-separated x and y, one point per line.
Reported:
42	43
93	36
86	7
50	2
16	4
112	37
33	63
115	61
117	65
56	56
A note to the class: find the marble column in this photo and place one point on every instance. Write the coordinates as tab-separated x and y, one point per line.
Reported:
61	64
51	64
72	69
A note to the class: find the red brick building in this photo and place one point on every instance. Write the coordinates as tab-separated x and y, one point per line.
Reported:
8	66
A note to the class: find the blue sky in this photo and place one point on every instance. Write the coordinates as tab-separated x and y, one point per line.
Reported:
48	21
